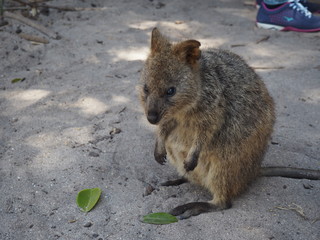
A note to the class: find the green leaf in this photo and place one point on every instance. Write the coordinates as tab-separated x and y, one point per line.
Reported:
159	218
17	80
88	198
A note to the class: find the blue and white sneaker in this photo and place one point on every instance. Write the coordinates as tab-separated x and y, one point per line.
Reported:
291	16
312	7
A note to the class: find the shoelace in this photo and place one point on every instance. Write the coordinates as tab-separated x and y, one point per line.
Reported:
295	4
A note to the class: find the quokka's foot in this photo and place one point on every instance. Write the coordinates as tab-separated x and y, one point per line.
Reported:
192	209
175	182
160	158
195	208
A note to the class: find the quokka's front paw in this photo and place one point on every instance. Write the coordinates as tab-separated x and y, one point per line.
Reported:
192	161
189	166
160	158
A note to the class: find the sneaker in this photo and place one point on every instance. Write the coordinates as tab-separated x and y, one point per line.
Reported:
291	16
312	7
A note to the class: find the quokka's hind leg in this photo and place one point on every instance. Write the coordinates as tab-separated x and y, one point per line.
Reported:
175	182
195	208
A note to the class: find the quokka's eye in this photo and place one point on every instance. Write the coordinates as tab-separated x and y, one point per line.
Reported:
171	91
145	89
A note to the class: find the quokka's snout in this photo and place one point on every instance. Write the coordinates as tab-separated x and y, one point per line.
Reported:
153	117
154	108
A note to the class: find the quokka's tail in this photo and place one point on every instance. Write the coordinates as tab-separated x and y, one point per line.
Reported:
287	172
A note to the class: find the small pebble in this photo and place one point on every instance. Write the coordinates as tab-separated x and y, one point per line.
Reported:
160	5
88	224
93	154
149	189
115	131
307	186
14	120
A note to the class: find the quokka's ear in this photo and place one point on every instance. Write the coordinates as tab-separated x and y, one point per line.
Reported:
188	51
158	42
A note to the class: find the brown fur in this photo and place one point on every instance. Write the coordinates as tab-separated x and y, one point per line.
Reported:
215	126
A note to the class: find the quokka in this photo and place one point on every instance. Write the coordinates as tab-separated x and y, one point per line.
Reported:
214	116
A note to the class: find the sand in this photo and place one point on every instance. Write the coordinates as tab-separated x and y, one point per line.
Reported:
75	122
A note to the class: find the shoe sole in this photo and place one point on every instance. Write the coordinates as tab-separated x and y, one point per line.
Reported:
269	26
281	28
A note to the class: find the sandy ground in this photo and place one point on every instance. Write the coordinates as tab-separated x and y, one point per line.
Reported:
59	128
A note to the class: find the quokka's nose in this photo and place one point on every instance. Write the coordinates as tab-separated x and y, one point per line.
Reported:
153	117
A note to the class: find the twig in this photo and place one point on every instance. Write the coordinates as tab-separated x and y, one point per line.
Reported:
266	68
122	110
296	208
62	8
1	8
68	8
33	38
2	21
31	4
263	39
44	5
33	24
15	8
238	45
